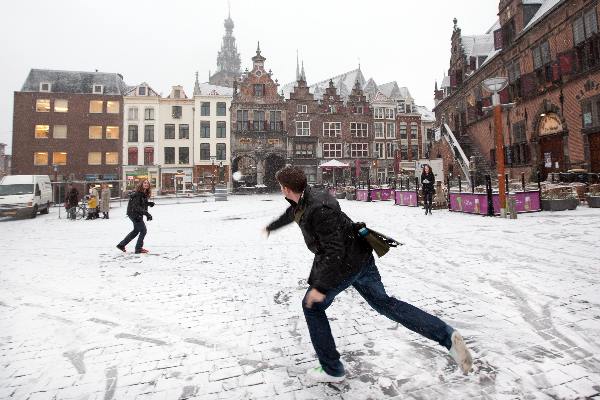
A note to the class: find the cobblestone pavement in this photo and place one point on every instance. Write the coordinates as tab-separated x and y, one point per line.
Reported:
214	311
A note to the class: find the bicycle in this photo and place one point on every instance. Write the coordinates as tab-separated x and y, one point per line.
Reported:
78	212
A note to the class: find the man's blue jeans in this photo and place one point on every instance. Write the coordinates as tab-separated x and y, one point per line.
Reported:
368	283
139	227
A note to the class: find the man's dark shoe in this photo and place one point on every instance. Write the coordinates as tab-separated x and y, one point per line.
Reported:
141	251
121	247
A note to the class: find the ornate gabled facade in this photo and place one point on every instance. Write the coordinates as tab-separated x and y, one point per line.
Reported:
228	59
258	118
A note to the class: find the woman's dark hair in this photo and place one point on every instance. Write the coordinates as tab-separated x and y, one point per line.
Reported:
140	188
292	178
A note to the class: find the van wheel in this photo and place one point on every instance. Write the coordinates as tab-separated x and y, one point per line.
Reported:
34	212
47	209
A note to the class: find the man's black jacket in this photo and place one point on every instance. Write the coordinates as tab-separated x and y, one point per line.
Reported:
330	235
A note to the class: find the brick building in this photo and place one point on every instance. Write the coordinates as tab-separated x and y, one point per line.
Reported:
550	52
258	124
69	125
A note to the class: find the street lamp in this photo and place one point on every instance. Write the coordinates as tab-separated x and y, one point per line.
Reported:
496	85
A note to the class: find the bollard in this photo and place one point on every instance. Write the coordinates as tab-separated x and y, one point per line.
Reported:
490	198
459	185
369	189
523	180
512	207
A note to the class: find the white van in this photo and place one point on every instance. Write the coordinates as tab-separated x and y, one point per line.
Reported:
25	195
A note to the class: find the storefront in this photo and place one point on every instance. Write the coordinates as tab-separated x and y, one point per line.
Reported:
133	176
176	180
551	144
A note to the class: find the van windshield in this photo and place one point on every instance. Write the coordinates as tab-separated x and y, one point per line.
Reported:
22	188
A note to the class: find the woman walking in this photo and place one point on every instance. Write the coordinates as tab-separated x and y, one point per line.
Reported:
136	209
427	179
105	201
71	201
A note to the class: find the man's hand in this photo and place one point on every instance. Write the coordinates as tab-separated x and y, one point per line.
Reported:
266	233
148	217
313	296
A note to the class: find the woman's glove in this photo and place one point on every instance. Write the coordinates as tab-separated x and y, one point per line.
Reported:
151	203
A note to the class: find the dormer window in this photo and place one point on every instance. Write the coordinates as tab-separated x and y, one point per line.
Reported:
142	90
177	93
259	90
97	89
45	87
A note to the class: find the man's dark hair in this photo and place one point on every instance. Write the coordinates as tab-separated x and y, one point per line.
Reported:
292	178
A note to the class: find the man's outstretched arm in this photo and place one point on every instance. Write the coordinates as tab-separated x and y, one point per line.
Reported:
286	218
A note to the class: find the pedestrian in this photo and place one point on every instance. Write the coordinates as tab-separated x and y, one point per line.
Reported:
343	259
71	201
137	208
92	203
428	180
105	200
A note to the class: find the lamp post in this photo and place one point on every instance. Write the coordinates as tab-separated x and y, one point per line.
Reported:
496	85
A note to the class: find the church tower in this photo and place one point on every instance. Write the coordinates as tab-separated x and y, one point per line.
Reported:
228	59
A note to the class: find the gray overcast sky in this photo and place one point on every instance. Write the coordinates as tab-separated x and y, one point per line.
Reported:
165	42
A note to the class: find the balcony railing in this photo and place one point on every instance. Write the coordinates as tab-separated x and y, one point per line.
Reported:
259	126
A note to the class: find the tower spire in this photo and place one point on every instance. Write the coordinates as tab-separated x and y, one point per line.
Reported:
302	74
197	90
297	67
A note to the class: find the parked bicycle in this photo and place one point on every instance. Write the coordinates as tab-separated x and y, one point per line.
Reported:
78	212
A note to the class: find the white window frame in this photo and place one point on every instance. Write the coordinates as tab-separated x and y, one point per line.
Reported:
389	150
378	113
302	128
379	135
392	134
405	126
151	111
389	113
416	130
332	148
357	127
359	150
96	86
378	146
42	87
301	108
134	111
332	127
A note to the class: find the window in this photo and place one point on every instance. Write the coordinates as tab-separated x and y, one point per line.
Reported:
221	129
359	129
585	26
358	110
519	151
415	151
111	158
112	132
132	114
514	81
301	108
112	107
205	151
332	150
205	109
177	93
204	129
404	152
587	42
59	132
148	155
97	89
169	155
95	158
169	131
332	129
379	130
390	131
42	105
96	106
242	120
148	133
303	150
221	151
142	90
61	106
132	156
149	114
184	155
359	150
259	90
389	113
221	109
42	131
95	132
379	113
59	158
414	130
176	112
275	120
302	128
379	153
184	131
132	133
259	120
401	108
389	149
590	111
45	87
403	130
40	158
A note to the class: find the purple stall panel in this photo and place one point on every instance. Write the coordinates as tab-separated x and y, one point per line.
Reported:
387	194
361	194
476	203
406	198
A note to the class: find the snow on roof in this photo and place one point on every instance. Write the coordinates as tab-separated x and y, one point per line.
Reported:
477	45
343	83
445	82
215	90
496	26
74	81
132	90
426	114
546	7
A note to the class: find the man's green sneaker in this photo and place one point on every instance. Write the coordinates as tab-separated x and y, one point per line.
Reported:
319	375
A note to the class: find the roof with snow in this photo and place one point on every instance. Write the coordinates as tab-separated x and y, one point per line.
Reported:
74	81
546	7
426	114
477	45
213	90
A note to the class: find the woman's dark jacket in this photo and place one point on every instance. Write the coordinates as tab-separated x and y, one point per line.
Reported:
330	235
137	206
72	198
428	187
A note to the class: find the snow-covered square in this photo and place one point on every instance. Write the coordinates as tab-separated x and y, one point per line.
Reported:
214	311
